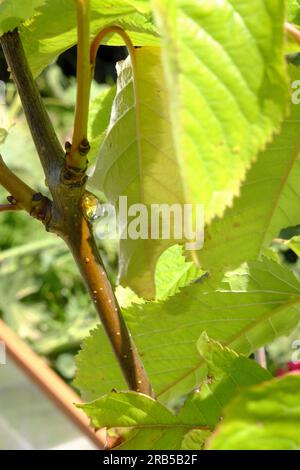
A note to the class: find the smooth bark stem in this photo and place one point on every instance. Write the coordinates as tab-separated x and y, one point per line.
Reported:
91	267
16	187
48	147
101	35
8	208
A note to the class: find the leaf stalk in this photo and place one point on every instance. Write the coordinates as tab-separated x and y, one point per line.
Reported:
76	154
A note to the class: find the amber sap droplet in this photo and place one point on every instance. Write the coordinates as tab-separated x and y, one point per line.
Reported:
91	207
87	260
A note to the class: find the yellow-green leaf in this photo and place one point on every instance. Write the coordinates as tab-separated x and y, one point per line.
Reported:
224	63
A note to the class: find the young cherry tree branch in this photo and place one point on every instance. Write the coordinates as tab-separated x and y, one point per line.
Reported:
9	207
68	220
85	252
76	155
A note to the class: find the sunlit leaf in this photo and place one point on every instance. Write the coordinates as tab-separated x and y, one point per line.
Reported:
44	37
269	202
157	427
137	160
172	273
250	308
228	89
265	417
13	12
153	426
99	116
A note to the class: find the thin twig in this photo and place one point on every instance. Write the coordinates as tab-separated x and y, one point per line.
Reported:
292	32
101	35
9	207
261	357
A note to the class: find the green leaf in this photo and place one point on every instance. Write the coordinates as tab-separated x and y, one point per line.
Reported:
143	6
265	417
227	374
194	440
157	428
246	229
99	116
252	307
44	37
172	273
137	160
127	297
13	12
228	89
153	426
